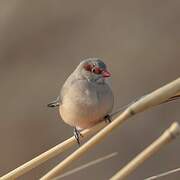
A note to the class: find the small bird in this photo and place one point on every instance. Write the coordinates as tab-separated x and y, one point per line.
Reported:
86	97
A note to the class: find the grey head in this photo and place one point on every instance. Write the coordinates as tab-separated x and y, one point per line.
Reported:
93	69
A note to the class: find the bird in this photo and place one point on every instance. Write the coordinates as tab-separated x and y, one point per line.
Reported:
86	98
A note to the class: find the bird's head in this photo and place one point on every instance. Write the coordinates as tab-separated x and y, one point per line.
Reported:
93	69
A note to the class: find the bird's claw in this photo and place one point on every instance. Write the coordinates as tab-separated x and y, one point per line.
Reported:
77	135
108	119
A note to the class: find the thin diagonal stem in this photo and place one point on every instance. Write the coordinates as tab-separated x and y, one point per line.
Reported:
163	174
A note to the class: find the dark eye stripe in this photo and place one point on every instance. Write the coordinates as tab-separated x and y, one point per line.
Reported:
88	67
92	68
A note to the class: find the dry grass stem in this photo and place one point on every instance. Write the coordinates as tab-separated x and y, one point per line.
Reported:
152	99
165	138
157	97
85	147
163	174
94	162
56	150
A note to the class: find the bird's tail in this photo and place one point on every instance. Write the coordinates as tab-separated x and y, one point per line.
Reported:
54	103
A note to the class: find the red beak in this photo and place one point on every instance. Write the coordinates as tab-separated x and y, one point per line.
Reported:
106	73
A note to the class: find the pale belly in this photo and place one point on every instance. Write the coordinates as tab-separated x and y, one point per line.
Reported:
86	111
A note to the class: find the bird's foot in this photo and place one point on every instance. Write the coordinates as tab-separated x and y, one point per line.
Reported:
107	118
77	135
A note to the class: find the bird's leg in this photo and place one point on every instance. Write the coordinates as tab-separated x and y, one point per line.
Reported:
77	135
107	118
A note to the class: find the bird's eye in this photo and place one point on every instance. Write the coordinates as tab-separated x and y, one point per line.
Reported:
93	69
96	70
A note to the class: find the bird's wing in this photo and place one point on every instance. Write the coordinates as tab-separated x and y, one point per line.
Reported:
54	103
68	85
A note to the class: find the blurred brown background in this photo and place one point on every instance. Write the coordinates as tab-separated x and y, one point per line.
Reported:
41	42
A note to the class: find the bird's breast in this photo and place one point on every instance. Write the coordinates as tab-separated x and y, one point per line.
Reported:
84	106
